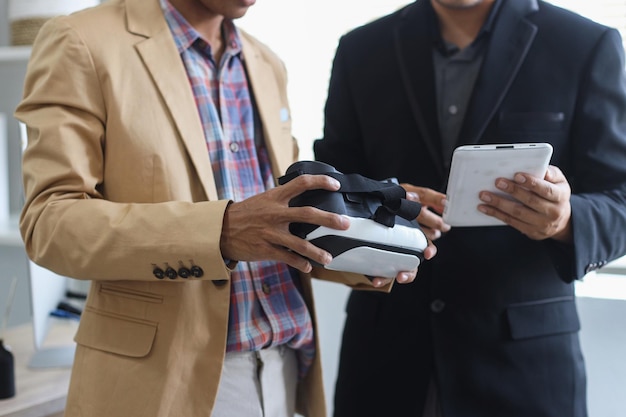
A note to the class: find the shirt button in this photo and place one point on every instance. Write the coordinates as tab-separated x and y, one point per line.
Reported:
453	110
266	288
437	306
234	146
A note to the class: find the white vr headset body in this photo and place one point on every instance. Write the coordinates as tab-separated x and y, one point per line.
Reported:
383	238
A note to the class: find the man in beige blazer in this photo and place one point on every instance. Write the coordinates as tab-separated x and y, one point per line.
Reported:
120	190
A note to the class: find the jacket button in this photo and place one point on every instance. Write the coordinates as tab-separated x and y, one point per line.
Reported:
171	273
196	271
184	272
437	306
219	282
266	288
158	272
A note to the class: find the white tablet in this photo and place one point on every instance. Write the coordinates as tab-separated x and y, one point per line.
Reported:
475	168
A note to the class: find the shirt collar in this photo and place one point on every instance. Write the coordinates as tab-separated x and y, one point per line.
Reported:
185	36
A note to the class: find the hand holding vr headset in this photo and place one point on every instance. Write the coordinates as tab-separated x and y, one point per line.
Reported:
321	217
384	240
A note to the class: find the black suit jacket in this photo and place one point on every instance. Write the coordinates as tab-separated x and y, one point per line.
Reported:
493	316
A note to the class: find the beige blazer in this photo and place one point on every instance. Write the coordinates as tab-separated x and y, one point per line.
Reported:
118	181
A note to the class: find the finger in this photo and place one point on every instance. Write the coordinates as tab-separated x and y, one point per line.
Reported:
308	182
306	249
528	222
554	175
532	185
432	220
503	208
283	255
381	282
433	199
517	223
533	224
430	251
513	214
403	277
413	196
406	277
431	234
426	196
312	215
545	198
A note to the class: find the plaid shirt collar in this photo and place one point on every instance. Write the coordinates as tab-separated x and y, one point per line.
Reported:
185	35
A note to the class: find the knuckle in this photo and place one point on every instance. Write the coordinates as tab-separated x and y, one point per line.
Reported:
517	212
308	211
306	180
552	213
532	200
301	246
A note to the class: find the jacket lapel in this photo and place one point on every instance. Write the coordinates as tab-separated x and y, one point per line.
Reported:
413	45
266	93
509	43
164	64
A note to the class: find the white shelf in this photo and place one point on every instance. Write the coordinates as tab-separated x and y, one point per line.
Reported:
14	53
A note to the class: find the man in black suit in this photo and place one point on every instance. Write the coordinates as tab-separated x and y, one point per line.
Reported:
490	326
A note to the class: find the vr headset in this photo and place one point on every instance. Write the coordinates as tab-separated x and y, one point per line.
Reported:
383	238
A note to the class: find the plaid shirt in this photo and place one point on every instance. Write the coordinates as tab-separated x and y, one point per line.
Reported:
266	308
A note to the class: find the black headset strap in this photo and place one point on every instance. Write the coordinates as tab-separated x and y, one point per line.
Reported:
392	196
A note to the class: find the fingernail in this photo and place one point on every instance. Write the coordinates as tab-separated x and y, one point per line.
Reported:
413	196
482	209
485	197
446	227
519	178
502	185
345	221
335	183
403	277
327	259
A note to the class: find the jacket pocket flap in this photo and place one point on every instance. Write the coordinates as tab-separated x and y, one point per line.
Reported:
543	318
532	121
116	334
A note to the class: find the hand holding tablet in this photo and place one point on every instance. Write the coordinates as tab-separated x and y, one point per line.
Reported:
475	169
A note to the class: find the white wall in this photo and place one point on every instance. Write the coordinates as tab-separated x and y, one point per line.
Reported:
305	36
